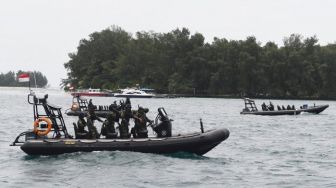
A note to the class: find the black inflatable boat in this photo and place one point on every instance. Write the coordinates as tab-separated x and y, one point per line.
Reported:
198	143
251	108
51	137
273	113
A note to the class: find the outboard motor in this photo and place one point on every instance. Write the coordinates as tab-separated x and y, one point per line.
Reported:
164	127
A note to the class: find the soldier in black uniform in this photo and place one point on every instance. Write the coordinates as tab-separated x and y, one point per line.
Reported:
90	105
108	128
125	115
81	123
79	128
279	108
271	107
289	107
90	118
293	107
140	123
264	107
283	107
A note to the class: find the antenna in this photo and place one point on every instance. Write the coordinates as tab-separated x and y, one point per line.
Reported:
35	80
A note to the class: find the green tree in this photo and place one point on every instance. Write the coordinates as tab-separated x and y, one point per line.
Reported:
181	62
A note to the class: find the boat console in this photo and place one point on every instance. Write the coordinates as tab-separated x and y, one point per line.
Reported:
164	127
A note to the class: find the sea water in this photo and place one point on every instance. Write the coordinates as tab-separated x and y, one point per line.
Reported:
262	151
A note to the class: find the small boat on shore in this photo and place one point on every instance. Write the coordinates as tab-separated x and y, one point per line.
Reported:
251	108
92	93
133	93
50	136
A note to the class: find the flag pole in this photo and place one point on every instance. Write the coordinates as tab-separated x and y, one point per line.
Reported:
35	80
29	83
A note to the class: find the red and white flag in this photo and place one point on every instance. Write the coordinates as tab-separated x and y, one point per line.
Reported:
24	77
70	86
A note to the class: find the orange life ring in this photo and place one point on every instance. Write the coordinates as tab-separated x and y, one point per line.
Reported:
74	106
37	123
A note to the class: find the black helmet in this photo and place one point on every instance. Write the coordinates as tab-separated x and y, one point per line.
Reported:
143	110
140	109
113	106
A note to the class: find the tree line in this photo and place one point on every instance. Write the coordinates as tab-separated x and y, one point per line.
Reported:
10	79
183	63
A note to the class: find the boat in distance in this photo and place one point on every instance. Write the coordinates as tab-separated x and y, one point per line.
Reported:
80	105
92	93
50	136
250	108
133	93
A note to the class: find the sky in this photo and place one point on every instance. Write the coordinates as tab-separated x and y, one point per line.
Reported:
39	34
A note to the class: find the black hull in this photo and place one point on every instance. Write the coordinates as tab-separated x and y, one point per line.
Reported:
133	96
198	143
99	113
274	113
313	109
